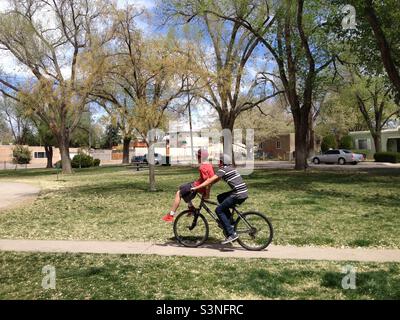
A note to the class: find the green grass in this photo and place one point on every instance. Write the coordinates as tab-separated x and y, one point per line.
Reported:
324	208
89	276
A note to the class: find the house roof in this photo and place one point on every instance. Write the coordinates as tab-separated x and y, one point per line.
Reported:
383	131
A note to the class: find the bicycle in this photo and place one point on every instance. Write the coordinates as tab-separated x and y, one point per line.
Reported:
191	227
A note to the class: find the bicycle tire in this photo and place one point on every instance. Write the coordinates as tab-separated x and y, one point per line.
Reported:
181	239
242	240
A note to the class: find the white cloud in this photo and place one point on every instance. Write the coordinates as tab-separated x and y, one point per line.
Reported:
3	5
11	66
146	4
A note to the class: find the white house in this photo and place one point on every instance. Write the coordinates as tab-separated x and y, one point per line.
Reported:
390	140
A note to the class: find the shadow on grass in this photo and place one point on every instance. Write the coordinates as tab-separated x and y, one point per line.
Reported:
372	200
373	284
284	178
21	173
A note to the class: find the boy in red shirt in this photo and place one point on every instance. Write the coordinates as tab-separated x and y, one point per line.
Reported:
206	171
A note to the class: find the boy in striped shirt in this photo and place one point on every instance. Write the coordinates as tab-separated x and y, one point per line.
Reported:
227	200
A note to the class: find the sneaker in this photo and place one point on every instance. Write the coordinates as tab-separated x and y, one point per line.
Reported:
231	238
168	218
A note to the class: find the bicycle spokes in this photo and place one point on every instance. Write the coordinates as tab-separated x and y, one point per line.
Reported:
191	229
255	231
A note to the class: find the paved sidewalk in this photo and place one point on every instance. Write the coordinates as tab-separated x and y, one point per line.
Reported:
172	249
12	193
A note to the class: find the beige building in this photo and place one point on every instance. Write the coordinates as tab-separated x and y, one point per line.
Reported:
38	155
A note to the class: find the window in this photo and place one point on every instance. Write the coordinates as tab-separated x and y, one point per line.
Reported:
40	155
333	152
278	144
362	144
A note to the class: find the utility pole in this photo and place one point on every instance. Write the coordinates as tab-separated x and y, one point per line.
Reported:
190	124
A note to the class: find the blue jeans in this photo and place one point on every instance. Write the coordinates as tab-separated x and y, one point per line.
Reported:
227	201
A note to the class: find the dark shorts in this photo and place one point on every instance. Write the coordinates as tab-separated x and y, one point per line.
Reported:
186	194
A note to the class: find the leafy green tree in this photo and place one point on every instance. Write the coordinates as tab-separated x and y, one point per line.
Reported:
223	58
329	142
346	142
111	137
338	117
72	43
268	120
371	95
375	40
297	41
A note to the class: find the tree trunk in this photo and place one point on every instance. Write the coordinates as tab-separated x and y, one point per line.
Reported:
63	144
227	123
125	152
311	136
377	136
151	161
387	56
301	142
49	156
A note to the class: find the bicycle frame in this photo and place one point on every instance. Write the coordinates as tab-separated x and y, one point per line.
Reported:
246	230
203	205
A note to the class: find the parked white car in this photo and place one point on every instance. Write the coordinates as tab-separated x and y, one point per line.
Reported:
339	156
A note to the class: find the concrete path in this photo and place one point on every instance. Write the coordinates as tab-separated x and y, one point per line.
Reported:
15	193
172	249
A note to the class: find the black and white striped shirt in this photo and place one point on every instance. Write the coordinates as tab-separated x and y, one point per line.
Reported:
234	180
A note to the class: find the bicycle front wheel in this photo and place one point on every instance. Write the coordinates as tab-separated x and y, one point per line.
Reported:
255	231
191	229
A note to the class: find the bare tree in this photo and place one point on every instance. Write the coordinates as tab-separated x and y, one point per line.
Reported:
17	122
141	84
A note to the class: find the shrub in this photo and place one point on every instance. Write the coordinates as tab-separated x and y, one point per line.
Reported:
58	164
346	142
328	142
82	160
96	162
393	157
21	155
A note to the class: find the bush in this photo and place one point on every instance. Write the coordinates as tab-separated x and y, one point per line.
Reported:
82	160
346	142
22	155
393	157
58	164
96	162
328	142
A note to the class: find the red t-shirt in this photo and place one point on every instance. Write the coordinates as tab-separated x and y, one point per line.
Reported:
206	171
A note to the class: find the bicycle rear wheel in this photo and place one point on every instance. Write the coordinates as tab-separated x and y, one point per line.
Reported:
191	229
255	231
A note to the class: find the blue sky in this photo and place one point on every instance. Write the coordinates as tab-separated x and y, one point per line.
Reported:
201	111
17	72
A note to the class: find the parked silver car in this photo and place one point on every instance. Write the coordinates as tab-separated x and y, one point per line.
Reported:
339	156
